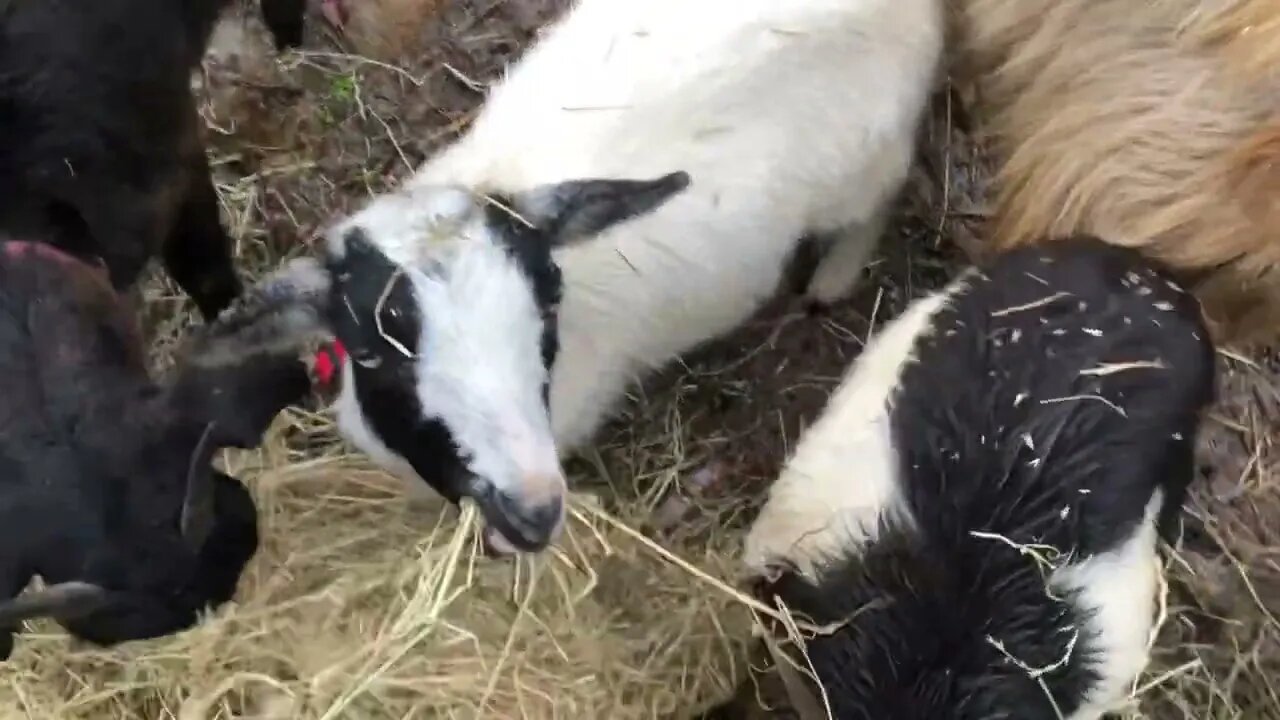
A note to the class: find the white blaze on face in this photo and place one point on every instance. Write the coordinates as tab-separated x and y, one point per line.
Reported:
479	368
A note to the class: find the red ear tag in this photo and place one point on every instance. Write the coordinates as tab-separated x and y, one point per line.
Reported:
328	360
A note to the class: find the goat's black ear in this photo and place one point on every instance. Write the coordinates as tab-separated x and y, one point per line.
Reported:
578	209
285	312
246	366
64	601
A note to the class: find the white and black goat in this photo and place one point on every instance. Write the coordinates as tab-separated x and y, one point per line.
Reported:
107	491
978	508
100	151
633	187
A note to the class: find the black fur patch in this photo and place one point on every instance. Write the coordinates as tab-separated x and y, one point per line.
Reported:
368	288
1032	349
87	132
99	136
531	249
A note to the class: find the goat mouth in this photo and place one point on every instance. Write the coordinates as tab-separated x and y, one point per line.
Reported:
508	531
503	536
496	544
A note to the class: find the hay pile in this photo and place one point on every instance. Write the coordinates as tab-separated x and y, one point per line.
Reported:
362	604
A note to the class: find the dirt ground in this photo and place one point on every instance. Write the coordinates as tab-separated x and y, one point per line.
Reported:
300	139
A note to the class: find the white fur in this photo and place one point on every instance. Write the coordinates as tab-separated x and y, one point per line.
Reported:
791	117
843	474
1120	587
479	367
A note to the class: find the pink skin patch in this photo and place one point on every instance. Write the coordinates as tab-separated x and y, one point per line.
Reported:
90	284
22	249
496	544
672	511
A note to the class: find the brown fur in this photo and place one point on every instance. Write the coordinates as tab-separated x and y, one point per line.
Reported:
1153	124
1244	29
388	29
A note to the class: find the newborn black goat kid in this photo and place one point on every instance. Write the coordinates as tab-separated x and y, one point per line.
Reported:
107	489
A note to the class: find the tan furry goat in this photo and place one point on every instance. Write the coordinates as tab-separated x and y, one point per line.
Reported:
1152	124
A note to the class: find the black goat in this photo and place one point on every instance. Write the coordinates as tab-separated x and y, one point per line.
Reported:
106	486
976	513
100	152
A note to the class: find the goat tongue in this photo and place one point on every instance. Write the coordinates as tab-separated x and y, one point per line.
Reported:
495	545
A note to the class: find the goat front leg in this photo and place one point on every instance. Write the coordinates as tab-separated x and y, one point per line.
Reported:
840	267
197	251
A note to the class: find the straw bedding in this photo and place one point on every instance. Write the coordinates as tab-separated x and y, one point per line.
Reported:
369	602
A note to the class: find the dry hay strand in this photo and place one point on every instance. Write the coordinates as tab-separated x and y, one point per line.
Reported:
360	606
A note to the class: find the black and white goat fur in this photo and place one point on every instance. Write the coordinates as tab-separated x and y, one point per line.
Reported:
659	163
981	501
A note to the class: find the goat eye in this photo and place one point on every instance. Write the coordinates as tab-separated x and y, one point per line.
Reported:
366	359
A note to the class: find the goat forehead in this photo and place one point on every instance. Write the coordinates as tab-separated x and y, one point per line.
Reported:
411	226
475	328
481	321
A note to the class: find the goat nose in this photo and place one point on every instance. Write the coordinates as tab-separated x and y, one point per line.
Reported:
542	488
528	523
